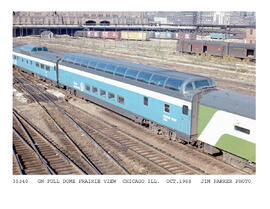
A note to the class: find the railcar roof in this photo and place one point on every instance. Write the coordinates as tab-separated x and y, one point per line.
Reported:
139	67
44	54
231	102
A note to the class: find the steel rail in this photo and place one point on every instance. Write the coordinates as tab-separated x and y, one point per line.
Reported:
43	161
87	134
47	140
18	162
61	129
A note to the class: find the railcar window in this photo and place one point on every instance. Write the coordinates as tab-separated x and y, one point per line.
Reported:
47	68
14	57
45	49
110	69
37	64
173	84
201	83
241	129
26	61
102	93
158	80
120	71
111	96
87	87
84	63
92	65
30	62
167	108
22	59
185	110
95	90
120	99
189	87
42	66
144	77
145	101
100	67
39	49
132	74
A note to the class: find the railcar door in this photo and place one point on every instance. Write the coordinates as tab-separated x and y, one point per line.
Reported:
194	115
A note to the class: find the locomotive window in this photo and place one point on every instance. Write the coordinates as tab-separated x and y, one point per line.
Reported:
145	101
87	87
158	80
167	108
144	77
201	83
100	67
110	69
102	93
47	68
185	110
120	100
111	96
95	90
132	74
120	71
244	130
173	84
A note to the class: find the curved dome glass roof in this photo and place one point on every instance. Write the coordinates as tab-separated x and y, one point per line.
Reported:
156	76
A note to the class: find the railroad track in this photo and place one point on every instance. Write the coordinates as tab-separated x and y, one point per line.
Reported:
108	136
73	138
36	154
121	143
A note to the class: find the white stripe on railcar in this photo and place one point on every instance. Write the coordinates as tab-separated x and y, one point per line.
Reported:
142	91
34	59
139	90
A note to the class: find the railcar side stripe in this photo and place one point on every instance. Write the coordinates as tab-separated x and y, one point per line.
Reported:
139	90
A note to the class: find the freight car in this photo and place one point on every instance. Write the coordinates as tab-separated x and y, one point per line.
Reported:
87	34
183	106
110	34
163	35
218	48
135	35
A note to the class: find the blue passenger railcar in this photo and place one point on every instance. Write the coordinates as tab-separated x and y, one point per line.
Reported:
37	60
136	91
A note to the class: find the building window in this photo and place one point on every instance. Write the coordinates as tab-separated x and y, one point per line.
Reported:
167	108
102	93
145	101
121	100
111	96
87	87
251	31
95	90
241	129
185	110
